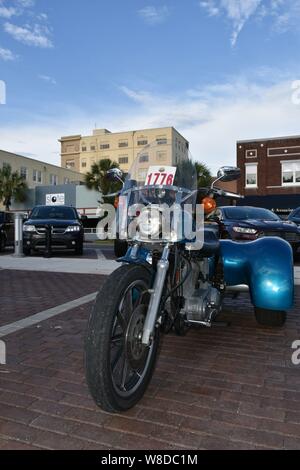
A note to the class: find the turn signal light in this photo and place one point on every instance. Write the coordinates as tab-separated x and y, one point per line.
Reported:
116	202
209	205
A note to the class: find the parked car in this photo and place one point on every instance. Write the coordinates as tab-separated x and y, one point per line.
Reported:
7	229
67	230
243	223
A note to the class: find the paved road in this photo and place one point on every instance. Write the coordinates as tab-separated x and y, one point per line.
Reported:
225	388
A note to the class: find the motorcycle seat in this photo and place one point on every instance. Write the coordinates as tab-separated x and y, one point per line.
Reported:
211	243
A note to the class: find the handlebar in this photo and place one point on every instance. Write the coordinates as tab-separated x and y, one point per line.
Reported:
222	193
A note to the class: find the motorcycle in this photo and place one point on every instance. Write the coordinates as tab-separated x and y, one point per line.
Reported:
173	279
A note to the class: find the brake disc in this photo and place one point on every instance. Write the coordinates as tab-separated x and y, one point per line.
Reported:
136	352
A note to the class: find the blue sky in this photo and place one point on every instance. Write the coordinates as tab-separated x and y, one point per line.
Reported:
217	70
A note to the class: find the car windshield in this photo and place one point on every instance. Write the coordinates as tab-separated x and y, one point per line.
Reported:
247	213
295	214
62	213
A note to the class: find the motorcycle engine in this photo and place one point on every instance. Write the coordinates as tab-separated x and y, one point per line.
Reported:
203	302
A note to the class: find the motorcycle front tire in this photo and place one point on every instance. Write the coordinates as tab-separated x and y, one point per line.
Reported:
98	342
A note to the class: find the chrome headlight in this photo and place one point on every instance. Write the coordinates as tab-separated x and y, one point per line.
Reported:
149	223
73	228
29	228
249	231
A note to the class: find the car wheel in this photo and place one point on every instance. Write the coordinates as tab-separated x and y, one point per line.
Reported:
120	248
79	249
295	253
2	244
270	317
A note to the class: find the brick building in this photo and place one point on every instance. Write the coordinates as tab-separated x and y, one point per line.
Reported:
270	172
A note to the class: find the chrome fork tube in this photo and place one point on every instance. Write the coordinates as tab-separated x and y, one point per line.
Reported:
156	293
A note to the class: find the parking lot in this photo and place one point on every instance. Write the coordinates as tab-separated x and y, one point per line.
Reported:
229	387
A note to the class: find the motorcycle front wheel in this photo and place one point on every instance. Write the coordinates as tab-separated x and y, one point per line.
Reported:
118	366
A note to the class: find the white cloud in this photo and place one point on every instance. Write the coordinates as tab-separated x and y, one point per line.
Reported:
285	14
36	35
237	11
7	54
7	12
154	15
212	118
48	79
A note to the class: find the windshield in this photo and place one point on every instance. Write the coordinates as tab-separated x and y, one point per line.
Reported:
161	179
52	212
247	213
160	171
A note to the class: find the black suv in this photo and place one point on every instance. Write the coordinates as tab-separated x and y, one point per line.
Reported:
67	231
7	229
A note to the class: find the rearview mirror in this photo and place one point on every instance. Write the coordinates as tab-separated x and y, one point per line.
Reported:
115	174
228	173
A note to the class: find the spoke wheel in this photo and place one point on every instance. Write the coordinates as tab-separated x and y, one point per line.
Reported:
118	366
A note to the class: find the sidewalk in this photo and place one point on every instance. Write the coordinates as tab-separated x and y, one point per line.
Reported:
59	265
70	265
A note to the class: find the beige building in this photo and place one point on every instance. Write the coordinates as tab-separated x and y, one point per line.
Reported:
39	173
81	152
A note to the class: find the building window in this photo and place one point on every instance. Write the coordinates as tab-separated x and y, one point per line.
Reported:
251	153
290	173
251	176
70	164
39	175
161	156
93	148
53	180
123	160
144	158
104	146
84	149
83	164
34	176
161	141
23	172
142	142
66	180
123	143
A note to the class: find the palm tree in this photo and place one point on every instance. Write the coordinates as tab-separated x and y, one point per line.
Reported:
97	178
12	186
204	175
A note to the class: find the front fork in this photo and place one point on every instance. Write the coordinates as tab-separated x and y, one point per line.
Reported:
156	293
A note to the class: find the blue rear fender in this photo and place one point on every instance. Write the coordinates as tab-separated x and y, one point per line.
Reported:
266	266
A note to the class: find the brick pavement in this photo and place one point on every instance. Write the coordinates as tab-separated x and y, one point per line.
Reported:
25	293
221	388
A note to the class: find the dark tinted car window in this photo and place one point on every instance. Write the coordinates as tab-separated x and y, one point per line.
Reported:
10	218
245	213
1	217
63	213
296	213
